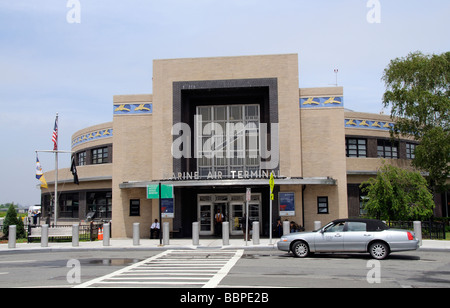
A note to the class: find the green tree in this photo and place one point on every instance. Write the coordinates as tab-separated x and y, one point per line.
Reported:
398	194
418	92
11	219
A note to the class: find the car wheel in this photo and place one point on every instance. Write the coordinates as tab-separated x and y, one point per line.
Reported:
379	250
300	249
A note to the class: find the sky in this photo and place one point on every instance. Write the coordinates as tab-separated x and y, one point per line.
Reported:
50	64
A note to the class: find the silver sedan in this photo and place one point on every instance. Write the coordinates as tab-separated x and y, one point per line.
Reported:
350	235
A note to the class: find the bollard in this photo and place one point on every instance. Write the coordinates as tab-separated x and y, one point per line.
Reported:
44	236
226	233
166	233
286	227
255	235
195	234
12	236
317	225
136	234
106	234
75	235
418	231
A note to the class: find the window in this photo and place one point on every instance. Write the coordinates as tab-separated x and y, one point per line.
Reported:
135	207
100	156
410	148
337	227
229	139
355	226
387	149
81	158
68	205
356	147
100	203
322	205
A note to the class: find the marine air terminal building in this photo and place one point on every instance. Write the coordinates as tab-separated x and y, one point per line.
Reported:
214	127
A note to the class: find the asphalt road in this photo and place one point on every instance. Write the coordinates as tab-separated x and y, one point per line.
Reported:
254	269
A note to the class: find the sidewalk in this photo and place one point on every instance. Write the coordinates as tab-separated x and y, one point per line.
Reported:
147	244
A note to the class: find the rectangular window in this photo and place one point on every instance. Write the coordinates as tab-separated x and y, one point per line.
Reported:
229	139
100	156
410	148
354	226
81	159
99	203
135	207
68	205
387	149
322	205
356	147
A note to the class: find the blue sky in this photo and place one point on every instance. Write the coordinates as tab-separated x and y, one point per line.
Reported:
48	65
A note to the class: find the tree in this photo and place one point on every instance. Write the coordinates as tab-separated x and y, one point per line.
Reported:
11	220
398	194
418	91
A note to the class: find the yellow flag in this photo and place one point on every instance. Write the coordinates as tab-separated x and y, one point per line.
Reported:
40	174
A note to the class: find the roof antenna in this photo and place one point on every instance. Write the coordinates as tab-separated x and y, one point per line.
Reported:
336	71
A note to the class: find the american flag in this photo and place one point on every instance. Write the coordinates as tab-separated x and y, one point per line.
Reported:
55	136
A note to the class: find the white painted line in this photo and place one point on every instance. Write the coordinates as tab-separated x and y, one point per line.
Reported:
96	280
138	279
18	261
168	274
224	271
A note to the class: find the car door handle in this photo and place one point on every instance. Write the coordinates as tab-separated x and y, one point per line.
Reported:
367	234
338	235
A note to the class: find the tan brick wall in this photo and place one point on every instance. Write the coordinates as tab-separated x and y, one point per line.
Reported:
132	155
323	155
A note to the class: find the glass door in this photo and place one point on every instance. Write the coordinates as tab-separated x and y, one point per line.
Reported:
237	212
205	218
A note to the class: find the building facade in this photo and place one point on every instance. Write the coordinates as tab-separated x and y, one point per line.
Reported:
215	127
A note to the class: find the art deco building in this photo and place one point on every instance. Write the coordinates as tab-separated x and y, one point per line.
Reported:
214	127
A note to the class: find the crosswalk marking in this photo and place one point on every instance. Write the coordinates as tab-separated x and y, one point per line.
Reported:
173	268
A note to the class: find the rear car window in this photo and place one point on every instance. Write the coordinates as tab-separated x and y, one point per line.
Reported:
354	226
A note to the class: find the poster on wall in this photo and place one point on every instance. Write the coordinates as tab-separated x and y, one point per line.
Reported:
167	208
287	203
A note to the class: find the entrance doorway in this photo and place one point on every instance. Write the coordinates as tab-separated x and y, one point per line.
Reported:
232	207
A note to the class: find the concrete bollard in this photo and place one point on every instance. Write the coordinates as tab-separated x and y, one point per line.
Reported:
418	231
195	234
226	233
12	236
317	225
255	234
166	233
106	234
75	235
44	236
136	234
286	227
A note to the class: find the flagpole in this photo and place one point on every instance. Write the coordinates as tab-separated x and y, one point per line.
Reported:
56	174
56	151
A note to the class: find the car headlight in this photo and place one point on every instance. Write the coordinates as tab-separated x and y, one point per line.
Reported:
284	239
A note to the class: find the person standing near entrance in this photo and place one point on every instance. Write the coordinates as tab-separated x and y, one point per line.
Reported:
218	219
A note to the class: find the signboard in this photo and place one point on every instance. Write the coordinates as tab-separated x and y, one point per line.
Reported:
153	191
248	195
167	208
271	182
166	191
287	203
